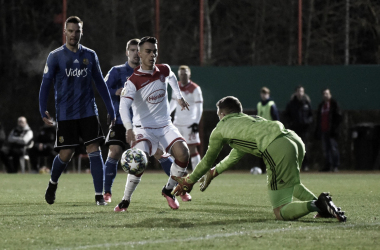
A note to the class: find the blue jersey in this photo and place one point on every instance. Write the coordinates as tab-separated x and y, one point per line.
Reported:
72	74
115	80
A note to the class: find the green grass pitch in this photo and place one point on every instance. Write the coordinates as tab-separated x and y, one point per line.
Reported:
233	213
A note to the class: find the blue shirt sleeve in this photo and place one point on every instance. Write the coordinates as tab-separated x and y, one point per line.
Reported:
102	87
47	81
111	81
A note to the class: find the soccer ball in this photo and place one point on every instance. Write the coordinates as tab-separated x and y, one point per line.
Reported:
134	161
256	170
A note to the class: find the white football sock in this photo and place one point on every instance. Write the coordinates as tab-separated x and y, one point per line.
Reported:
130	186
195	160
175	170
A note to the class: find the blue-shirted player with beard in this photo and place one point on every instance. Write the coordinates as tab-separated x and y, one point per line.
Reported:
115	80
71	68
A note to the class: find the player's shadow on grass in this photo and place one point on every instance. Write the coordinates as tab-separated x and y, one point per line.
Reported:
195	223
31	208
181	223
69	204
225	204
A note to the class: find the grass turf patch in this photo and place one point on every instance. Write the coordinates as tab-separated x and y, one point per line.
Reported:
233	213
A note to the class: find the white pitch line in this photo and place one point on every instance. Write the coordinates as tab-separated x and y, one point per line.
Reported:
208	237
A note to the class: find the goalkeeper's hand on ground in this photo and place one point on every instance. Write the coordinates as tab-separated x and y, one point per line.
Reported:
185	185
206	179
194	127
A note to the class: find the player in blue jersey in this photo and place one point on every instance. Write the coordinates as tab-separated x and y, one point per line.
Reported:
71	68
116	139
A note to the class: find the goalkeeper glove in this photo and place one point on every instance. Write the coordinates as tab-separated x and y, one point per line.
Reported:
207	178
194	127
185	185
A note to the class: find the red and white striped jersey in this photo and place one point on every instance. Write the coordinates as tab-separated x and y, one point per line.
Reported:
147	90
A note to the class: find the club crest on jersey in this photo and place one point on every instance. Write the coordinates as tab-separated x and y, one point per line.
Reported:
162	78
139	136
61	140
156	96
112	134
85	61
46	69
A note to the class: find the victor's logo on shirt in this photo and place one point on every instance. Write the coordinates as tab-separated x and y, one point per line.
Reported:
156	96
76	72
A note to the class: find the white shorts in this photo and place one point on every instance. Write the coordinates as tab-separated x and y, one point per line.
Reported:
190	137
149	139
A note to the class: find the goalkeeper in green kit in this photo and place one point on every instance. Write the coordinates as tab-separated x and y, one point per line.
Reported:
282	151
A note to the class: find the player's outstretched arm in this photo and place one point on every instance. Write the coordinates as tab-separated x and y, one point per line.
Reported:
185	185
172	79
47	82
230	160
172	105
102	88
48	120
130	136
207	178
112	79
43	96
183	103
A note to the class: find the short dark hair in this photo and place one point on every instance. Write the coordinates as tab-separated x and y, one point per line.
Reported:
184	67
149	39
74	19
229	104
265	90
134	41
324	89
298	87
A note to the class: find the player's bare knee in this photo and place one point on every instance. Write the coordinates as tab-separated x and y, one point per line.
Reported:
65	155
115	151
92	147
183	157
180	151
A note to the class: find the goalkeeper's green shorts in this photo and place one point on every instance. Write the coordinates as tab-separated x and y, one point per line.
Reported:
283	159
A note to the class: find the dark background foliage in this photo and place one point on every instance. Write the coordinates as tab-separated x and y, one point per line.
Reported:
237	33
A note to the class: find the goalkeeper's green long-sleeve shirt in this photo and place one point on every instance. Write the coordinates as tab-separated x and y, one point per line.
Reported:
244	134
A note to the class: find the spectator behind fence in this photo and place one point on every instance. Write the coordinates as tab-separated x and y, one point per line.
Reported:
2	142
20	138
2	135
329	117
43	148
267	109
299	116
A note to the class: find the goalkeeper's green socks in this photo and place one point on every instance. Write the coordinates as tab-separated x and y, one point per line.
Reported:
297	209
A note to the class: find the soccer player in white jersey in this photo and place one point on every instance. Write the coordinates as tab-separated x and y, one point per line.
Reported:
146	91
116	139
186	123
